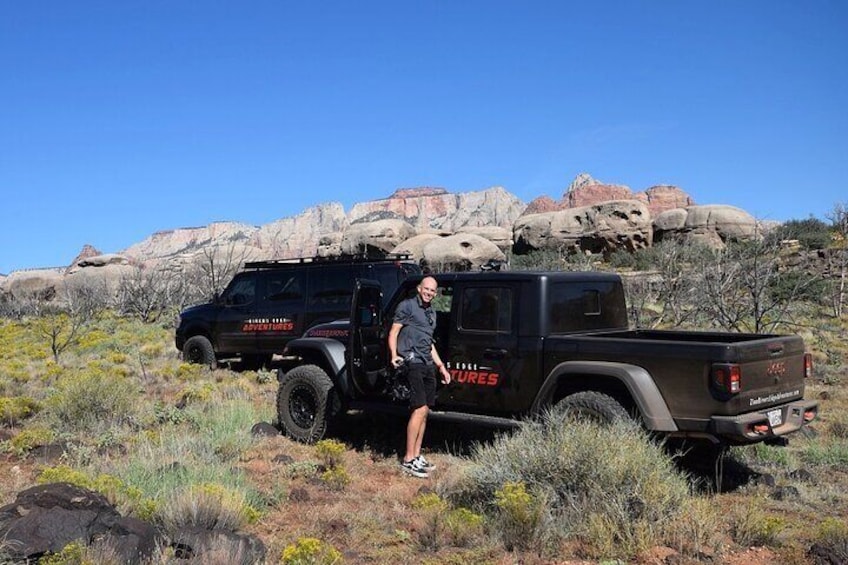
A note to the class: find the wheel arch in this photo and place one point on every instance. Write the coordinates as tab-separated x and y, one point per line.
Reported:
327	353
630	385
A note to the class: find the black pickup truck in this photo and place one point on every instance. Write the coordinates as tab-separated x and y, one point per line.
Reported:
519	342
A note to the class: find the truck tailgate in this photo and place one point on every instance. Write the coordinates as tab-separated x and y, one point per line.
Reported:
772	373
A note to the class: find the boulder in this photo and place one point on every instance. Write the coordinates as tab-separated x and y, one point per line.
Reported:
43	284
711	225
46	518
414	246
330	245
460	252
601	228
375	238
501	237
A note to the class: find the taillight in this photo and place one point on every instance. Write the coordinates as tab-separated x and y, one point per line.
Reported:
808	365
727	377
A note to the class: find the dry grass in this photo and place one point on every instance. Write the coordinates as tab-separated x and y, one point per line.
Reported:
185	455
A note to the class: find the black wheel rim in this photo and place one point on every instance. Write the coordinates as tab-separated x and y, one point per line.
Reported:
195	355
303	405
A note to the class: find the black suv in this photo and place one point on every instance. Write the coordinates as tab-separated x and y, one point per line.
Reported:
270	303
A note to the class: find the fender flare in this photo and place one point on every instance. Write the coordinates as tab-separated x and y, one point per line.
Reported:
640	385
331	350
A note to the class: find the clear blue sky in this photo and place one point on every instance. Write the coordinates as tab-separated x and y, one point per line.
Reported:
122	118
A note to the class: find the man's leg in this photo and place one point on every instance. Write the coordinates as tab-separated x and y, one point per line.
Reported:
415	432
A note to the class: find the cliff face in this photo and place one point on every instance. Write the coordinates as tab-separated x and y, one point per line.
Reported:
436	209
426	209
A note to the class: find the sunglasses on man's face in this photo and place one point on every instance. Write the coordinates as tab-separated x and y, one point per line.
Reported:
429	313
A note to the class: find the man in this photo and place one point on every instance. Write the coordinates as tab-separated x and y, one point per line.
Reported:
411	342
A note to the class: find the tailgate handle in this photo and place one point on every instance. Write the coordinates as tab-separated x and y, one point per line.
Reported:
775	349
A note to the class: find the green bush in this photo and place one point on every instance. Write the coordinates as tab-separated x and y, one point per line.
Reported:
310	551
29	438
90	400
330	452
17	408
583	476
811	232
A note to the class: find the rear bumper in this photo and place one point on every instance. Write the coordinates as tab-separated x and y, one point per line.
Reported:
757	426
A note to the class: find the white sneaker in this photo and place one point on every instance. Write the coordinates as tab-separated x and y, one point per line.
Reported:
424	464
414	469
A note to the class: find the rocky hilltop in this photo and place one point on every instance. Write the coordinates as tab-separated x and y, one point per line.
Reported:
439	228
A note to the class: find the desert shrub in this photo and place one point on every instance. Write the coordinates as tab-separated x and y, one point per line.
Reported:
519	516
431	508
208	505
310	551
330	452
831	539
335	478
116	491
71	554
88	400
17	408
587	476
29	438
462	526
751	525
811	233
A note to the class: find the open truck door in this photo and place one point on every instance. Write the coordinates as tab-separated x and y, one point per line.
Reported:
367	350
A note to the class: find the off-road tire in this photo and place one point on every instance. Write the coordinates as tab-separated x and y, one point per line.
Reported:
304	402
594	406
199	350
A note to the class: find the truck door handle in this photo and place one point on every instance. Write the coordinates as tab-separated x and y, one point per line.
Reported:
494	353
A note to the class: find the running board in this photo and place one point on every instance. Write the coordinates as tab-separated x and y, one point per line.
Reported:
442	416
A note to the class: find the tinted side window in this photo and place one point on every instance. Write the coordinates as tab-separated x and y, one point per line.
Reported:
389	275
486	309
242	290
331	287
285	286
576	307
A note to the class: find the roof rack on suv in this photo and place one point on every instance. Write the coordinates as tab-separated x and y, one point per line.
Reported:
342	259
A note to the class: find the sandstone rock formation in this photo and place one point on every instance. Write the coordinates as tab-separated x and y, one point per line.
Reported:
501	237
36	283
414	246
378	237
712	225
87	252
600	228
460	252
437	209
664	197
187	241
587	191
300	235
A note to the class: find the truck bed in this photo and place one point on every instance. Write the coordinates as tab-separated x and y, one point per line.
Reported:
681	361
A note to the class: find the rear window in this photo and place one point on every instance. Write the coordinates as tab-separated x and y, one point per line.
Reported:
585	306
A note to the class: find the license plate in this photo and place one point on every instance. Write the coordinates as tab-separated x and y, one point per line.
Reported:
775	417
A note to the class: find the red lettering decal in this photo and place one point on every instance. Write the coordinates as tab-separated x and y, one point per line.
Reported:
493	379
472	377
461	376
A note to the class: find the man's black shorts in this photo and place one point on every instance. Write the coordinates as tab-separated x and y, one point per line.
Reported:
422	384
